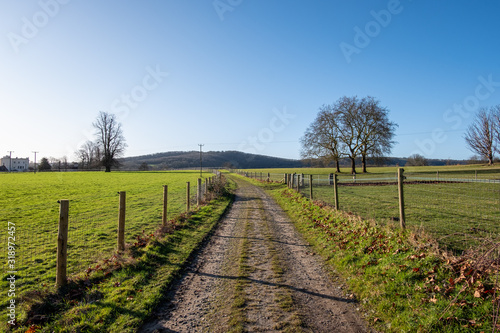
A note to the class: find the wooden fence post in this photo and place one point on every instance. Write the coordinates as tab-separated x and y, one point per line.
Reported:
121	222
187	197
297	184
206	187
62	243
165	205
268	177
310	187
285	178
335	191
198	197
401	178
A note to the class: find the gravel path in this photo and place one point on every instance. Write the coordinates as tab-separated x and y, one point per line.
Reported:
256	274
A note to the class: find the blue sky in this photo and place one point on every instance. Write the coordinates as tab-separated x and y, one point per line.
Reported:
240	74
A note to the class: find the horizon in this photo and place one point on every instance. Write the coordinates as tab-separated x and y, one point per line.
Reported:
31	161
39	157
245	76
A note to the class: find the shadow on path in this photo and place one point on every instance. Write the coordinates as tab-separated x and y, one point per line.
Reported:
302	290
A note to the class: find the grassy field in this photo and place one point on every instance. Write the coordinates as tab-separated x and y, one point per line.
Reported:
29	201
458	210
386	173
402	282
459	215
486	171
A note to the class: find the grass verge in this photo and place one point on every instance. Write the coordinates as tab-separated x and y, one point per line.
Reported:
238	316
119	293
401	278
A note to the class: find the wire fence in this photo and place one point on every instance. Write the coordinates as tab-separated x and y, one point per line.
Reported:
30	253
459	209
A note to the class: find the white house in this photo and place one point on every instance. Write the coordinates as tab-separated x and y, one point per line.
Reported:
18	164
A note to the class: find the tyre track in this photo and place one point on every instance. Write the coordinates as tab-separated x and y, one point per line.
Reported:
255	274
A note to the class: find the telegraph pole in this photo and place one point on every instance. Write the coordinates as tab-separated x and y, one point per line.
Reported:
10	160
201	162
35	158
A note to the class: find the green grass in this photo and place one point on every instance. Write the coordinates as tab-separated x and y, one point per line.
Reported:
461	170
238	317
459	215
30	202
119	300
400	279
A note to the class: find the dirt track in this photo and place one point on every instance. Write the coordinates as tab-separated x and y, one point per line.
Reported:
256	274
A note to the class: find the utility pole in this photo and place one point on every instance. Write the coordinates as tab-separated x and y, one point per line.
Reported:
35	158
201	162
10	160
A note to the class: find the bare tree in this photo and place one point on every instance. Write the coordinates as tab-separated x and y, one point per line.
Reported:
322	137
64	161
496	124
480	135
350	128
89	155
55	163
110	139
374	129
349	114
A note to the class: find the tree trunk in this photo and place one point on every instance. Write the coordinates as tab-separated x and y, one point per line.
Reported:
337	164
108	168
363	163
353	165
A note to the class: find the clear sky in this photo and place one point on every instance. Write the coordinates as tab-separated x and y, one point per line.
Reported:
244	75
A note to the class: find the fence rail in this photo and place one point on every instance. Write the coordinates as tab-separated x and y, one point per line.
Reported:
460	210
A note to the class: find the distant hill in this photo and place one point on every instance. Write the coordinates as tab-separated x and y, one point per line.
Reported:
240	160
211	159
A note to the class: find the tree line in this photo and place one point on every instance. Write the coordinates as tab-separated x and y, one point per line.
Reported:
352	128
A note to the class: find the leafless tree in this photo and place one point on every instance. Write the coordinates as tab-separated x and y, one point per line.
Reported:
480	135
496	124
349	128
349	114
89	155
110	139
322	137
64	161
375	130
55	163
